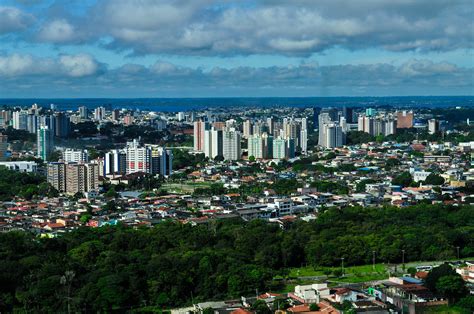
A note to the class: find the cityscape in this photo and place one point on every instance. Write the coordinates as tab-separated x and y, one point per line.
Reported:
237	157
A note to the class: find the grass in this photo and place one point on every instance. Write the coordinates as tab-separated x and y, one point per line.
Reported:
445	309
184	188
308	271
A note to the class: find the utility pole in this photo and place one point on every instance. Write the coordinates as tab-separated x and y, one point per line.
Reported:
373	260
342	266
457	248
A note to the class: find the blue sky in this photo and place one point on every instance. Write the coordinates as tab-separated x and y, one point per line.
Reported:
205	48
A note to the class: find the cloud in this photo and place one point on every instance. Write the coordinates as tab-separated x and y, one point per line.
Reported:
81	73
20	66
228	28
13	20
57	31
289	28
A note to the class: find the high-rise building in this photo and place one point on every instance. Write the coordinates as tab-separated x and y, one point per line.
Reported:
247	129
433	126
115	115
161	161
83	112
213	143
255	146
279	148
76	155
370	112
81	177
180	116
270	125
333	135
138	158
199	128
3	147
99	113
115	162
304	136
45	142
326	116
5	118
56	175
231	143
260	146
62	125
128	119
404	119
32	123
348	114
366	124
20	120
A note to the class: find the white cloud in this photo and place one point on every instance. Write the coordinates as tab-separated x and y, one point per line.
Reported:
25	65
285	27
13	19
84	73
57	31
78	65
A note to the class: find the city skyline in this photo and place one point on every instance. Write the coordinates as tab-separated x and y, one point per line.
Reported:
225	49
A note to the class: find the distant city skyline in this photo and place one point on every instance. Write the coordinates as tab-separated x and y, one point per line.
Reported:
250	48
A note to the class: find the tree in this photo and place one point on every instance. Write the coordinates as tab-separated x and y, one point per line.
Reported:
467	303
313	307
434	179
436	273
404	179
452	287
219	158
260	307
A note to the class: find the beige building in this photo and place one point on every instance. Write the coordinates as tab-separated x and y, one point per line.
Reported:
73	177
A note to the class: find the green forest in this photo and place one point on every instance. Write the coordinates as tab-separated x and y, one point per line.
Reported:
169	265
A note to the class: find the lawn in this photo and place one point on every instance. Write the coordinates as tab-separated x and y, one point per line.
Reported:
309	271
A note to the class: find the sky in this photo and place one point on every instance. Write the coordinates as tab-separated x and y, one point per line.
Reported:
205	48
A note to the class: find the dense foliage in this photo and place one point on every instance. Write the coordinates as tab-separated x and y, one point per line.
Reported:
122	268
25	185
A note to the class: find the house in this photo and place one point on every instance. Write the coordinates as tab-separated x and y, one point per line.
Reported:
310	293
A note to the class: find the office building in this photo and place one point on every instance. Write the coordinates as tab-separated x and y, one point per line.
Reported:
115	115
45	142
